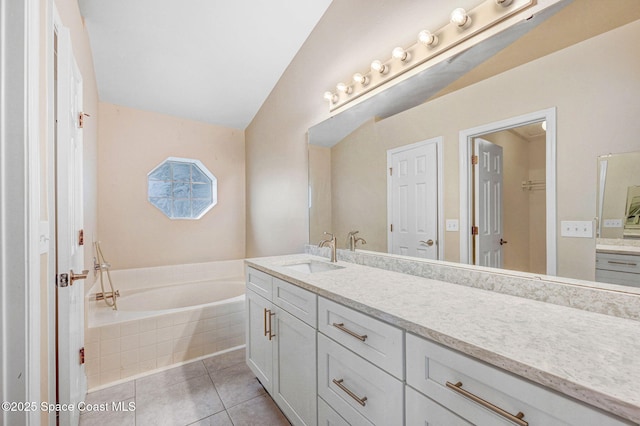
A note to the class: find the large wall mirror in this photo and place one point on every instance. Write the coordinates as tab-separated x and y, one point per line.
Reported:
584	82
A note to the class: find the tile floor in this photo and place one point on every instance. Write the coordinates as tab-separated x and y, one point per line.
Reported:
217	391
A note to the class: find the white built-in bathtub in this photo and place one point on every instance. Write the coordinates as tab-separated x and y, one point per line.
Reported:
166	315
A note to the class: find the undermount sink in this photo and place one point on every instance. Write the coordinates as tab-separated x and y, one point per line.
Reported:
312	266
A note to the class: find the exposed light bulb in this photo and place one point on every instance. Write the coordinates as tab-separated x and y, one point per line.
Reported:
331	97
544	125
361	79
504	3
427	38
400	54
344	88
379	67
460	18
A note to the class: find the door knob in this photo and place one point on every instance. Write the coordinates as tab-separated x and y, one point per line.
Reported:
502	242
73	276
429	242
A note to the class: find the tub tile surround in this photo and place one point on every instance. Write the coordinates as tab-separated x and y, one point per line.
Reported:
587	355
119	350
213	391
609	299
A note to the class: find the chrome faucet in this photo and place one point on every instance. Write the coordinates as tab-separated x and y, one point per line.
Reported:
353	240
331	243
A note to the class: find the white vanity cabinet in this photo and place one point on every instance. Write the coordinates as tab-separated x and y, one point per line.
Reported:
618	268
360	366
281	344
485	395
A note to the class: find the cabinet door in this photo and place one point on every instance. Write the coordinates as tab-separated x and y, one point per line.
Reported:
259	346
294	370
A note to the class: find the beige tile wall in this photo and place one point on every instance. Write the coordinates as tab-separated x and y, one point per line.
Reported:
118	351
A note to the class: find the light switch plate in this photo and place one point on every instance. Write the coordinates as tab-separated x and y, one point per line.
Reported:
612	223
452	225
577	228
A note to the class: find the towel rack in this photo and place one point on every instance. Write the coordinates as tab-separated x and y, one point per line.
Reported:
533	185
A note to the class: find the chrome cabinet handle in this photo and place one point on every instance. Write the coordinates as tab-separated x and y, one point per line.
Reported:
616	262
517	419
265	321
429	242
361	401
340	326
271	314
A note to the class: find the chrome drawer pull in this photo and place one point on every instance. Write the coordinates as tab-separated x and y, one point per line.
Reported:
361	401
615	262
517	419
341	326
271	314
265	321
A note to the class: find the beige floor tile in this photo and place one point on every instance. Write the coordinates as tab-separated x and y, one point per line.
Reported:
115	393
225	360
220	419
169	377
260	411
178	404
109	418
236	384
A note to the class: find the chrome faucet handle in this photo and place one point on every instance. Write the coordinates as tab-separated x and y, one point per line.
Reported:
330	234
352	233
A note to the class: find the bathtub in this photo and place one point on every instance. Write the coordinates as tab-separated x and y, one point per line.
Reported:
166	315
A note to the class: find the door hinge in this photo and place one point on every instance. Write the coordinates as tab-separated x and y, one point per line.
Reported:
390	171
391	227
62	280
474	230
81	237
81	117
81	355
474	160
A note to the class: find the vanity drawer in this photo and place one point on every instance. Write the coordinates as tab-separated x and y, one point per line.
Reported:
431	366
328	417
355	388
421	410
259	282
372	339
297	301
618	262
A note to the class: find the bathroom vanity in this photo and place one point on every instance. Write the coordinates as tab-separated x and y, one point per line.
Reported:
347	344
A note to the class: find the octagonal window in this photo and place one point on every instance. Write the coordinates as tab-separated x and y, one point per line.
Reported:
182	188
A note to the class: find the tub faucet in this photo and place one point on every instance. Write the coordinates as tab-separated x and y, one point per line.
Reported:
353	240
331	243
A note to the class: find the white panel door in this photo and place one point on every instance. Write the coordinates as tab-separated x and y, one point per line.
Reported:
72	381
414	198
488	203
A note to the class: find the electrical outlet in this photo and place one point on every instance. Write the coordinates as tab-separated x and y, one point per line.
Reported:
576	228
452	225
612	223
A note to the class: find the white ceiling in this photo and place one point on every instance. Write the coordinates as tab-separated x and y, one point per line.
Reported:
208	60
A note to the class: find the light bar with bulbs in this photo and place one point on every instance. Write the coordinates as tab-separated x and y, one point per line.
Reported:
462	26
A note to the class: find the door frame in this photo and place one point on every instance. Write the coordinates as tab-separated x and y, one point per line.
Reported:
439	142
466	182
20	219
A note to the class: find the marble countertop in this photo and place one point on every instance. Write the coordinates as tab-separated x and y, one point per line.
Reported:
592	357
618	249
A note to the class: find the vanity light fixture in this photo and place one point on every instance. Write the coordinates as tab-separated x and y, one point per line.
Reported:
461	18
344	88
400	54
427	38
361	79
331	97
379	67
458	30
